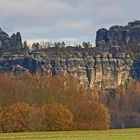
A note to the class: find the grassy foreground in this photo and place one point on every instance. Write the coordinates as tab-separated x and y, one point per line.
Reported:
127	134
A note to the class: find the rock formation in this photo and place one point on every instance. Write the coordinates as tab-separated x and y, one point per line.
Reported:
15	41
4	39
92	66
99	70
119	36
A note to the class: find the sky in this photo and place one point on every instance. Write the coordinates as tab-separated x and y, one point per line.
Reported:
65	20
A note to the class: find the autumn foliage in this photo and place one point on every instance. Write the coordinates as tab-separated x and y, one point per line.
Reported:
14	119
92	116
124	105
21	117
57	117
33	103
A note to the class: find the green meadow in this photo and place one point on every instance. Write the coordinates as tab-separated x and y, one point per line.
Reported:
126	134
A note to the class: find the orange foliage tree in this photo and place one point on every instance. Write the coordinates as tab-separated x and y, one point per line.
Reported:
40	91
57	117
91	116
87	113
15	118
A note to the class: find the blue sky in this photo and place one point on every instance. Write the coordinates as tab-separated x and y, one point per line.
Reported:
68	20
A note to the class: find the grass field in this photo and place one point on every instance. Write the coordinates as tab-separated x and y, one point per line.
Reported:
127	134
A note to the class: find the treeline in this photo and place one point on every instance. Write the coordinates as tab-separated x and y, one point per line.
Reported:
31	103
124	105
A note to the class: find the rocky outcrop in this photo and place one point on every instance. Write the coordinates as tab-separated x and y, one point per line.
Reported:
119	36
10	42
4	39
92	67
16	40
102	70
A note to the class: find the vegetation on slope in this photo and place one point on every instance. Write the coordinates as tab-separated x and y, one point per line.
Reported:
30	103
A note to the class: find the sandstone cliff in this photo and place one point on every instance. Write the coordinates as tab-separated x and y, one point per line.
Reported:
99	70
119	36
94	69
15	41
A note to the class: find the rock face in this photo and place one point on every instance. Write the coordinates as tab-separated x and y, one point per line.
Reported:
119	36
4	39
14	41
93	68
99	70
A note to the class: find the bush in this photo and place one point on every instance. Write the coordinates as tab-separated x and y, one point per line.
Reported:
92	116
36	119
21	117
1	117
57	117
15	118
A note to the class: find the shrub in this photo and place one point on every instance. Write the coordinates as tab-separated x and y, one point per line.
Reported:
36	119
57	117
15	118
1	118
91	116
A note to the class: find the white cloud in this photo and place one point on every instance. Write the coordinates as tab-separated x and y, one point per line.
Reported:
74	25
64	19
34	9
